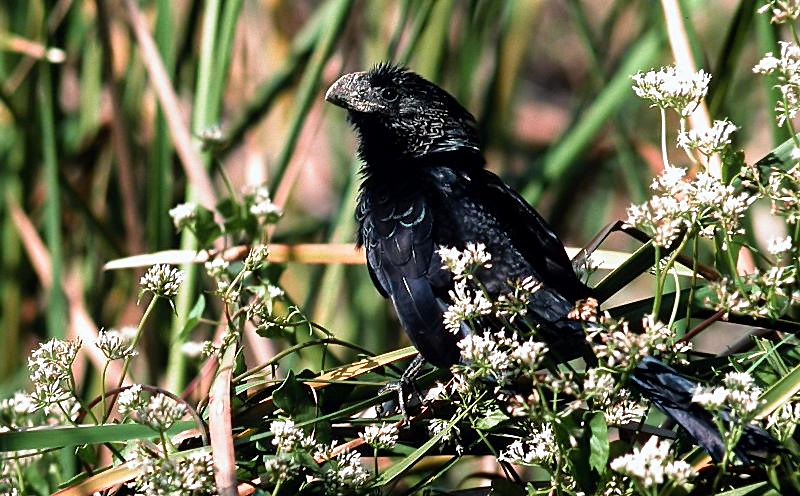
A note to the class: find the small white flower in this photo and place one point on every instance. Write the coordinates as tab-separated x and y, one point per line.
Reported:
709	141
162	280
263	208
782	11
114	345
467	305
672	88
787	69
538	448
194	349
779	245
50	368
159	413
380	436
710	398
464	263
529	354
651	465
130	400
345	474
217	267
183	215
287	437
275	292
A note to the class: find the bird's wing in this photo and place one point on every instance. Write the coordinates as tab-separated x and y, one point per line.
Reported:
404	265
529	232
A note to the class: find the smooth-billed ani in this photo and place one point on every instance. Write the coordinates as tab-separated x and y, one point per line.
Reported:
425	187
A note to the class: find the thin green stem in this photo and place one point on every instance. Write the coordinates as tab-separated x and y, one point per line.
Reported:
163	438
732	263
657	267
103	388
135	342
664	156
695	255
677	301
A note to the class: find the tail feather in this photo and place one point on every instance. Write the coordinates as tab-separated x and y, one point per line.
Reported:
672	393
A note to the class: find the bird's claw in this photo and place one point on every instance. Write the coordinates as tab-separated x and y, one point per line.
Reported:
405	389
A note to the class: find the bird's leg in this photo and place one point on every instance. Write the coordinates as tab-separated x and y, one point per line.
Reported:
405	387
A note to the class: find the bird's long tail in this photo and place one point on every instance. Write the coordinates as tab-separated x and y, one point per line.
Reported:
672	393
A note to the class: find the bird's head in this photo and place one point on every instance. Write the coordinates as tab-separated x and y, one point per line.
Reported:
397	113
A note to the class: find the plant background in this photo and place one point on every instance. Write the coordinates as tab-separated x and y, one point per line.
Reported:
93	153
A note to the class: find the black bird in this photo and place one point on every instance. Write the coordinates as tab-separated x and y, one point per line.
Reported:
424	187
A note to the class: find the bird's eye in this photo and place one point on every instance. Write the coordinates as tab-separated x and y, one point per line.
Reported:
389	94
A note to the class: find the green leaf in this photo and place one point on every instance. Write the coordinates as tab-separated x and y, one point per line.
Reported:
598	442
397	469
491	420
759	488
193	318
57	437
295	399
205	228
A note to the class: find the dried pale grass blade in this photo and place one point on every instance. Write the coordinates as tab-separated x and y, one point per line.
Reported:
220	427
80	323
181	137
312	253
102	481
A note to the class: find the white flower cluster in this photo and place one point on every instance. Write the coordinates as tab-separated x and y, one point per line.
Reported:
468	304
652	465
464	263
618	348
787	69
288	438
17	412
263	208
192	474
437	425
115	344
345	475
514	304
162	280
783	421
779	245
738	393
497	357
51	371
538	448
680	204
709	141
159	412
217	268
782	189
624	409
672	88
769	294
782	11
183	215
380	436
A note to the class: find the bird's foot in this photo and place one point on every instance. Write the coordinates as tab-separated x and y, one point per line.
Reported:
406	389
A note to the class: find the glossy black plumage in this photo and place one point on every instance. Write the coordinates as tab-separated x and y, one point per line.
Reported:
672	393
424	187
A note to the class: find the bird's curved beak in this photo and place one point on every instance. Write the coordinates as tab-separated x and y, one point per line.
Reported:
350	92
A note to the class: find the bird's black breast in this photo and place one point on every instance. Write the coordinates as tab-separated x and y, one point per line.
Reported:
404	223
397	230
